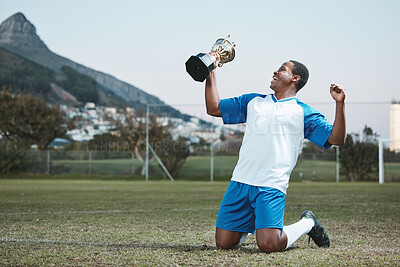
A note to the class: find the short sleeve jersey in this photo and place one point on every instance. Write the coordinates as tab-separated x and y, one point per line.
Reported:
273	138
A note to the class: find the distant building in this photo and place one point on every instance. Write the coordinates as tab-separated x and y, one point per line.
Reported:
395	127
90	105
59	143
206	135
129	110
109	110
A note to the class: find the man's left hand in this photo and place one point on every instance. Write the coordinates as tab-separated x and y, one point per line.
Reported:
338	92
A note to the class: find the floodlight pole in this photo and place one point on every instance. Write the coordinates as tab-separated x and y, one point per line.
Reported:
147	144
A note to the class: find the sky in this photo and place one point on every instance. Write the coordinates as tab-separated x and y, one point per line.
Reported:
355	43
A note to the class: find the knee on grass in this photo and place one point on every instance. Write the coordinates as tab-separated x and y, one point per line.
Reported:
225	243
269	246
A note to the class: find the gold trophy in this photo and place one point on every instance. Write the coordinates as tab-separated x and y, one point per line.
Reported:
200	66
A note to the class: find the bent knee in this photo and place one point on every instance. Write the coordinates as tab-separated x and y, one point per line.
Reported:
268	246
225	239
224	244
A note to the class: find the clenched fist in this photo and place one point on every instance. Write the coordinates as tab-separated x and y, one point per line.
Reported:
338	92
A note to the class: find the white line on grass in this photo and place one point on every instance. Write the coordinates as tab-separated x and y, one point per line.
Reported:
104	244
62	212
98	211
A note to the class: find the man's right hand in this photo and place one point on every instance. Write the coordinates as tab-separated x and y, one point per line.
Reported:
217	58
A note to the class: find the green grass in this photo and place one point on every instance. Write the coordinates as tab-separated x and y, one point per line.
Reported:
81	222
102	167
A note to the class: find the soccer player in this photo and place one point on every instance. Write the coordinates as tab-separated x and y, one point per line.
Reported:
276	125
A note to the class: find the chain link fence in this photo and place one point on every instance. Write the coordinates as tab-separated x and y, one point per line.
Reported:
213	151
198	166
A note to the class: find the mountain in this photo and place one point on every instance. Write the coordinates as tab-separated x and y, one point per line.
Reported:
69	87
19	36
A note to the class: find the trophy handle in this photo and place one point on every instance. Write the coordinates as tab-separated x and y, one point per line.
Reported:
225	50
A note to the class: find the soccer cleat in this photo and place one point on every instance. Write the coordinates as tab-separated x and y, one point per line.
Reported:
318	232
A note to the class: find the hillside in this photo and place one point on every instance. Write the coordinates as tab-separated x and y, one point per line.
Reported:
18	36
68	87
25	74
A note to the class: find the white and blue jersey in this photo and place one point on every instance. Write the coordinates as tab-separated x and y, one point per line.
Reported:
274	134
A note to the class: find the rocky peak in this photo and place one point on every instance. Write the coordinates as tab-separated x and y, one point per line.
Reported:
18	31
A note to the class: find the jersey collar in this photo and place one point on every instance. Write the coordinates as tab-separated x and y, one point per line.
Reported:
282	100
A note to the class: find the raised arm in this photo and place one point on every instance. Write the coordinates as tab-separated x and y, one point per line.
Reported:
338	134
211	92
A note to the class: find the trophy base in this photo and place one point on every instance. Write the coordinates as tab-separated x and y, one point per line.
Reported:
199	66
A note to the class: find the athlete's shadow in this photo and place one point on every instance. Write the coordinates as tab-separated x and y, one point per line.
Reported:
247	248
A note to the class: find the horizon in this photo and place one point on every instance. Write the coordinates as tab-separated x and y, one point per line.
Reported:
355	39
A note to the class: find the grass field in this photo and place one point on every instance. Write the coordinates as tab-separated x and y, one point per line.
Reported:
102	223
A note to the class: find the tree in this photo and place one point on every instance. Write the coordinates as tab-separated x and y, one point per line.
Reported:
108	142
133	129
25	118
11	155
172	153
359	156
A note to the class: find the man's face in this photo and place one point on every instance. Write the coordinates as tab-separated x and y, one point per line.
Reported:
282	78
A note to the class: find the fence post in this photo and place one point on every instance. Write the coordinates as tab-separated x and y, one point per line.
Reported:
381	170
337	165
212	160
48	161
133	164
221	163
314	172
90	162
147	144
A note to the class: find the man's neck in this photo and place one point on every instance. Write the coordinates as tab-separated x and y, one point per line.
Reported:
284	95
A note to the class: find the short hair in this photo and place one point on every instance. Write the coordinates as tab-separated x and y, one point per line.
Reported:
301	70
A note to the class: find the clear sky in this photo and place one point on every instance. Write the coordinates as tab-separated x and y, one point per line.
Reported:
146	43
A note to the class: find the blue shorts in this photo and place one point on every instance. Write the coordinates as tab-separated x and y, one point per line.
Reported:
245	208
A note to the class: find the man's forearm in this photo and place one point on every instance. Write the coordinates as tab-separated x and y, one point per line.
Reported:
338	134
212	97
